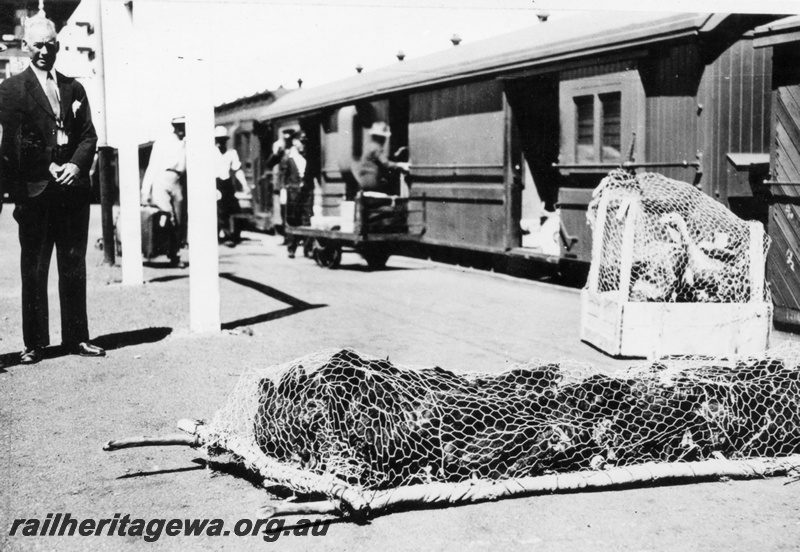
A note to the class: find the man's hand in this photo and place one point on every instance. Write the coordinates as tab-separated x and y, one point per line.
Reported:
54	170
66	174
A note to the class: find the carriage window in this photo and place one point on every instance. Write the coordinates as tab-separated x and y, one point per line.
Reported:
330	122
611	105
599	114
584	145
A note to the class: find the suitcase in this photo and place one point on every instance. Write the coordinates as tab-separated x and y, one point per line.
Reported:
383	215
158	235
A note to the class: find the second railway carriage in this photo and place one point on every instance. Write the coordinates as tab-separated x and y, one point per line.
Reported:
781	193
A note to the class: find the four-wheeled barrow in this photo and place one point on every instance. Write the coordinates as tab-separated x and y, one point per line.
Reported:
380	228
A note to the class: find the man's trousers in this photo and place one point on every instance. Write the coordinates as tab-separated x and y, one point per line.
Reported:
58	217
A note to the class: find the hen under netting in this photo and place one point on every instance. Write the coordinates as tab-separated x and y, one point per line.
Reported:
663	240
374	425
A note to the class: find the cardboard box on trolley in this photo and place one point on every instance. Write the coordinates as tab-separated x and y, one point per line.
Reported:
621	326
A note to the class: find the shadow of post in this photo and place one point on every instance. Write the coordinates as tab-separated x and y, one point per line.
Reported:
295	305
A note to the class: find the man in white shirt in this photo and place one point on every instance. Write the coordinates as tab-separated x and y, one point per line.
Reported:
227	163
164	183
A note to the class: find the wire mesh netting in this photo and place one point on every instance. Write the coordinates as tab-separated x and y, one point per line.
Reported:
367	423
681	245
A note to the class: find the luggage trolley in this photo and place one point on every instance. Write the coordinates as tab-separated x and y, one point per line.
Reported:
375	226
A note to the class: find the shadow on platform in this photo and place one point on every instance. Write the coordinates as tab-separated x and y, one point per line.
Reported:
162	279
363	267
295	305
109	342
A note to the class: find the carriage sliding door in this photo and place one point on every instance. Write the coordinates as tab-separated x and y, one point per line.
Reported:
456	137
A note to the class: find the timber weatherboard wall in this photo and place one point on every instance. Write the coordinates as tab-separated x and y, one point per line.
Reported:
456	138
735	95
671	80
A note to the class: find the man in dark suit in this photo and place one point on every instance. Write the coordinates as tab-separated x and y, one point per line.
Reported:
48	145
293	179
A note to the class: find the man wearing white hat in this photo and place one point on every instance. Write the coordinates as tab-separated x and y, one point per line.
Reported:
164	183
227	163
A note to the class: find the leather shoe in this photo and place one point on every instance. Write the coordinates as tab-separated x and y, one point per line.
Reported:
86	349
177	262
31	356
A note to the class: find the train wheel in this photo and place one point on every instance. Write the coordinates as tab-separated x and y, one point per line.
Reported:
327	255
376	260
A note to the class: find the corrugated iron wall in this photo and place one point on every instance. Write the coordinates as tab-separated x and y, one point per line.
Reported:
783	264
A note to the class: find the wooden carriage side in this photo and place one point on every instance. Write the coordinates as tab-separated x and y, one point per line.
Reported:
507	130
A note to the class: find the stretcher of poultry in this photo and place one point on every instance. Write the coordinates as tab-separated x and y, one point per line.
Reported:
359	434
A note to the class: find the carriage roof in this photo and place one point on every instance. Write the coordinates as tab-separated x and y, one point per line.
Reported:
552	42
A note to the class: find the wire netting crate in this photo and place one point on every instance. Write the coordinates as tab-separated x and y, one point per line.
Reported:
673	272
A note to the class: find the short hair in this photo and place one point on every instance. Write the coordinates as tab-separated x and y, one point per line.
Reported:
36	22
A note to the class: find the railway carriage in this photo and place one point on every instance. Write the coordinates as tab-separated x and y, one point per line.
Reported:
508	137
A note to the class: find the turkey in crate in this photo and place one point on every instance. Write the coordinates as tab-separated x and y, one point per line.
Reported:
673	272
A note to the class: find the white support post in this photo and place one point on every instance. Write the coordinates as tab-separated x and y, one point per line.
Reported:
202	198
626	255
757	261
121	113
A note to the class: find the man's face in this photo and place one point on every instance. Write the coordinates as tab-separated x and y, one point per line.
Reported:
179	129
41	44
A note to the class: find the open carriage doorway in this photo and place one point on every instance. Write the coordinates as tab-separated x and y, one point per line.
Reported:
534	142
539	226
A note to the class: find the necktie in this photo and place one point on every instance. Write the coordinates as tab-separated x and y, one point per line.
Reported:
52	94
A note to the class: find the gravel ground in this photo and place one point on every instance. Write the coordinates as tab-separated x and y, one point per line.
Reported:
56	415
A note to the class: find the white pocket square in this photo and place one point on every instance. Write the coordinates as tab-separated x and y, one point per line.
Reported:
76	105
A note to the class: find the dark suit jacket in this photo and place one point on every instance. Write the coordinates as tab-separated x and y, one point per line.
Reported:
29	141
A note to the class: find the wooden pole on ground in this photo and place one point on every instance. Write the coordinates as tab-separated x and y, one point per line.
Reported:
361	504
